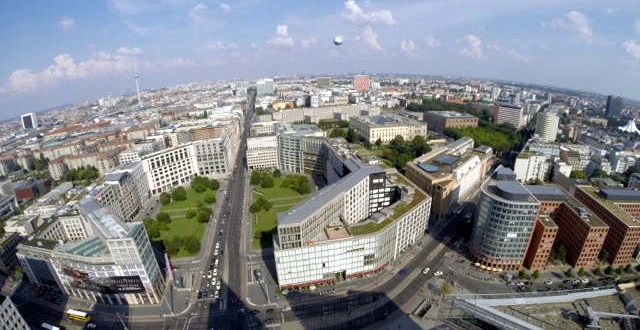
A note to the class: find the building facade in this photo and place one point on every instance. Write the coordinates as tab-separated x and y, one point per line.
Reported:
10	316
542	239
438	121
361	83
387	127
262	152
547	126
530	166
509	114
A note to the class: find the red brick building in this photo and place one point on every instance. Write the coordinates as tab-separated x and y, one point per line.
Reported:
541	243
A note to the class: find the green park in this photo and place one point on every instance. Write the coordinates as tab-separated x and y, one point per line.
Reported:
180	224
273	193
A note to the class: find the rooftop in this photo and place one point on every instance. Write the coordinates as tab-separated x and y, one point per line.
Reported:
546	221
451	114
621	195
387	120
547	192
611	206
511	191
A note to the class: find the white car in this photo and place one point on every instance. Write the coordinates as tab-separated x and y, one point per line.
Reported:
548	282
209	274
216	295
213	281
216	263
215	272
584	281
426	271
438	273
217	245
218	286
215	252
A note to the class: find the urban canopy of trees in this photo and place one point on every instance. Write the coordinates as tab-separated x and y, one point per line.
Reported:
85	174
298	183
399	152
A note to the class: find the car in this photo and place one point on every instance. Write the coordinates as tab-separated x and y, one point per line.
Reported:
209	274
213	281
217	245
520	284
258	274
91	325
215	272
510	283
216	263
216	252
548	282
438	273
584	281
218	286
426	270
216	295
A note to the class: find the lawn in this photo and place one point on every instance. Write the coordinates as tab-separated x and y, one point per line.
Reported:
180	225
265	222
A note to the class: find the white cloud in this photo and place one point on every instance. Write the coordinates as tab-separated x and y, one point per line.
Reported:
129	51
407	45
282	37
353	12
178	62
370	38
225	7
200	15
473	49
65	68
576	22
515	55
636	26
308	42
632	48
432	42
66	23
222	46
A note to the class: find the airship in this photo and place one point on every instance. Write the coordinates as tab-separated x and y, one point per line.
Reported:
338	40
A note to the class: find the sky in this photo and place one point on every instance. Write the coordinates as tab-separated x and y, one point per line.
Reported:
59	52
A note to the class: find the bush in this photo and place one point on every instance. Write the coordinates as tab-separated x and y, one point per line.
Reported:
277	173
205	210
202	217
165	198
199	188
191	213
172	246
179	194
214	184
619	270
267	182
522	274
581	272
628	269
608	270
535	275
153	232
568	273
597	271
209	197
254	208
163	217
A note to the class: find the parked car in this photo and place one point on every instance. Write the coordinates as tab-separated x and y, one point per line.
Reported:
548	282
438	273
584	280
426	270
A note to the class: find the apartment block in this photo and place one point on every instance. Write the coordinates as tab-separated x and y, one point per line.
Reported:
509	114
530	166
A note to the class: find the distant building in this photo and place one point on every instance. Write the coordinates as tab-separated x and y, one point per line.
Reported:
10	316
438	121
634	181
386	127
608	107
265	87
29	121
547	126
530	166
509	114
30	189
361	83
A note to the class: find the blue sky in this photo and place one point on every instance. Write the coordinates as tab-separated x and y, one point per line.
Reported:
57	52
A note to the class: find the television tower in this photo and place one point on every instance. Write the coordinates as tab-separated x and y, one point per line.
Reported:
136	77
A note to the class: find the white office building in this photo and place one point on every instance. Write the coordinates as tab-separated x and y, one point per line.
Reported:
386	127
265	87
529	166
262	152
114	264
509	114
125	191
170	168
332	236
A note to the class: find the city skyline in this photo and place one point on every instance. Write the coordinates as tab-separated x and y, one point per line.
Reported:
69	52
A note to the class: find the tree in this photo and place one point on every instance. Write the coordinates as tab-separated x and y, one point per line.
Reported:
172	246
608	270
209	197
628	268
522	274
581	272
352	136
190	213
446	288
163	217
198	188
153	232
619	270
597	271
599	173
277	173
191	244
214	184
260	111
254	208
577	174
637	267
267	182
179	194
202	217
165	198
535	275
568	273
603	255
419	146
378	142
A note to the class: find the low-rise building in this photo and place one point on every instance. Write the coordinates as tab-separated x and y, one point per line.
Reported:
438	121
386	127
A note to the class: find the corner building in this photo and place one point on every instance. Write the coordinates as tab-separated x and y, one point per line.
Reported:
505	221
353	227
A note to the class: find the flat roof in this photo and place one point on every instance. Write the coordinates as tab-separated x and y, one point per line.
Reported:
546	192
451	114
320	198
336	232
546	221
622	195
512	190
612	207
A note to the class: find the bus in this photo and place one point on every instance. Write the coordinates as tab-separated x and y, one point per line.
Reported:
77	315
48	326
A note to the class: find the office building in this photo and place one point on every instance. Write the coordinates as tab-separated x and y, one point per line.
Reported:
504	223
620	210
10	316
386	127
542	239
169	168
438	121
547	126
125	191
265	87
531	166
262	152
29	120
361	83
114	264
8	244
449	175
510	115
351	228
214	157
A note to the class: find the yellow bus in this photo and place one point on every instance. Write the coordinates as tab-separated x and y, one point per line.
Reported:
77	315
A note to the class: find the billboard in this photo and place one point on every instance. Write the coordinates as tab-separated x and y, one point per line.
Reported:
107	285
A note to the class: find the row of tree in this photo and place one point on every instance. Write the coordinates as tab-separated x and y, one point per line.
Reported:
81	174
190	243
297	183
260	204
501	138
264	178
